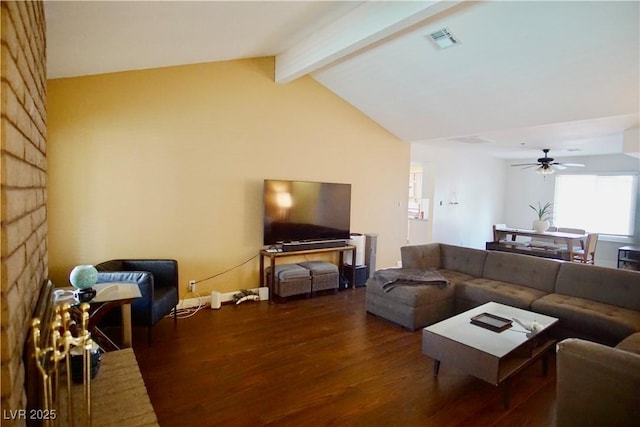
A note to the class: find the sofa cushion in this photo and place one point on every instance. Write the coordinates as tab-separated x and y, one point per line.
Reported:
421	256
113	265
597	321
455	277
606	285
414	295
630	343
465	260
474	292
533	272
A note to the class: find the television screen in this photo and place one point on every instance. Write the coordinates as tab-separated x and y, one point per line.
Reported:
303	210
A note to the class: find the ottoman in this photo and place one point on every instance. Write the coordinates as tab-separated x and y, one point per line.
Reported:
324	275
290	279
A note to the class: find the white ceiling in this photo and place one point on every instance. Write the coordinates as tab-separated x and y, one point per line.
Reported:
526	75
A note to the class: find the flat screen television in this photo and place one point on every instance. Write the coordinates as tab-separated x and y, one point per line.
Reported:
305	211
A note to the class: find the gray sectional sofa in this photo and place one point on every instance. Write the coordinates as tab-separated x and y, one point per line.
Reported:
595	303
598	308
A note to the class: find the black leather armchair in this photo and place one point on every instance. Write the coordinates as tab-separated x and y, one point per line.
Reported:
158	283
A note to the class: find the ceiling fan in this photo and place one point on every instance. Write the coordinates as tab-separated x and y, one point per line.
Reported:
546	165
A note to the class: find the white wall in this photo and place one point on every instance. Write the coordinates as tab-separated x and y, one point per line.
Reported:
489	191
478	182
525	187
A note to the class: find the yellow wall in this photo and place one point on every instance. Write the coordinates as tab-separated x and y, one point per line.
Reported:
170	162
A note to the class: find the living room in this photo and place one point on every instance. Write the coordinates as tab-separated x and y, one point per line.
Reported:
202	170
168	161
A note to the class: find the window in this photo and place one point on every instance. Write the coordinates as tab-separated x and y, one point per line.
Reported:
602	204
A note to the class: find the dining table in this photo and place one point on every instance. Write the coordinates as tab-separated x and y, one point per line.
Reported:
547	244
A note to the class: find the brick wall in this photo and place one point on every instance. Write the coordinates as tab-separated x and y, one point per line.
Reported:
23	170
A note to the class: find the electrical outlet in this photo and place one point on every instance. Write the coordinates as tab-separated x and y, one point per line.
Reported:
192	285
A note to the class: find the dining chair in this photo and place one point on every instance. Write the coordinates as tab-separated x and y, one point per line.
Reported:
588	254
571	230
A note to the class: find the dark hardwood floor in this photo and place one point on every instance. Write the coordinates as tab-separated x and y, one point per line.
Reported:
319	361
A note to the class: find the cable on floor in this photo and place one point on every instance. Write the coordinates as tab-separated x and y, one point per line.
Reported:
184	313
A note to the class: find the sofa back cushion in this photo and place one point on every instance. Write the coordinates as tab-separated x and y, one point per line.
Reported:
465	260
421	256
112	265
602	284
164	271
524	270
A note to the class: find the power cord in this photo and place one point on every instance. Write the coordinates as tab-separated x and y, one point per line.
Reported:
184	313
228	270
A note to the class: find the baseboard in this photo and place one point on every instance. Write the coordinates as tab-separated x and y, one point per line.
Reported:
227	297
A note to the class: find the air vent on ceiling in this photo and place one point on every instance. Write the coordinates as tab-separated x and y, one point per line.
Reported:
443	38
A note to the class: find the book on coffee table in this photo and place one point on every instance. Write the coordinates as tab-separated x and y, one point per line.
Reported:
491	322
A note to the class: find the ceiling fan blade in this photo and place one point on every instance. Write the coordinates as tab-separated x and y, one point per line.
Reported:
547	162
573	165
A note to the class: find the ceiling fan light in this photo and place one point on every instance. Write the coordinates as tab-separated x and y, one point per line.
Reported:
545	170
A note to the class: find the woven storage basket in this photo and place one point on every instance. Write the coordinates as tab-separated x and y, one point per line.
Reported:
324	275
290	279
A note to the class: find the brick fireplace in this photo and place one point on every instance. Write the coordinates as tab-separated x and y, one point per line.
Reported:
23	187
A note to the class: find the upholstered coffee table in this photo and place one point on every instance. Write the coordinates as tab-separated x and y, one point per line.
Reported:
486	354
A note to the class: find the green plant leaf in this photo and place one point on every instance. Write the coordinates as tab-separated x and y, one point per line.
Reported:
543	212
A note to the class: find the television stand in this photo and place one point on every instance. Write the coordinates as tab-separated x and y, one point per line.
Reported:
312	244
273	255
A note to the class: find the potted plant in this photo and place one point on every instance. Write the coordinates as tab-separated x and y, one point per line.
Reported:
544	215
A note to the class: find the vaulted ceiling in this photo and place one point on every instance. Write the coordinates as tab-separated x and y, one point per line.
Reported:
523	75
